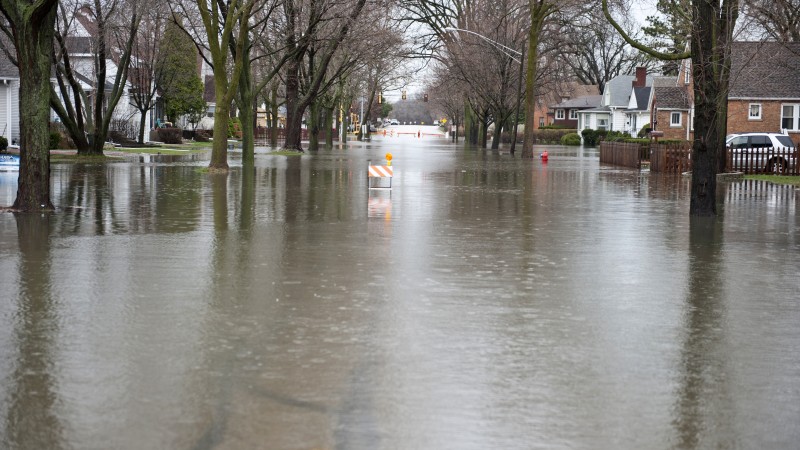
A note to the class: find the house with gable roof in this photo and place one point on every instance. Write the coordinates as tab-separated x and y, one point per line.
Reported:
765	88
764	93
625	104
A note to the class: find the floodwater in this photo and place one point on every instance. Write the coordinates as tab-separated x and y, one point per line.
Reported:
483	302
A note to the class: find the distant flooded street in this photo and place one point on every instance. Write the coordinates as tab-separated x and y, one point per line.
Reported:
484	302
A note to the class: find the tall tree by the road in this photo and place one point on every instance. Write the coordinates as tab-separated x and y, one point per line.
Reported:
143	71
30	26
541	11
113	27
221	24
713	23
335	20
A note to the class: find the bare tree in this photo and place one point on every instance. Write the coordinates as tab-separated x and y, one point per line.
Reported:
87	111
30	27
777	20
144	68
593	50
713	24
315	32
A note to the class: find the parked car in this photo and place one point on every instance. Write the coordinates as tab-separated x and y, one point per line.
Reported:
768	152
395	122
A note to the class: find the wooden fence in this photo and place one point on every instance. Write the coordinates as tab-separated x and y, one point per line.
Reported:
624	154
671	158
675	158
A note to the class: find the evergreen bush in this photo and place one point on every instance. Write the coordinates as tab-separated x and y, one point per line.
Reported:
571	139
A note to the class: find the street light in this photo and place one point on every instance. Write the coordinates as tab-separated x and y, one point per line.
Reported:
505	50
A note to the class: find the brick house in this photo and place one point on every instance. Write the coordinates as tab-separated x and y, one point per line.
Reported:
765	88
764	93
565	114
555	93
671	107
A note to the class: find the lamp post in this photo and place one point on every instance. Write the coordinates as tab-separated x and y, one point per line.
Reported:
510	52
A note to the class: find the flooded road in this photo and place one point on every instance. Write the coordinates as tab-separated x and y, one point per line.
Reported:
482	302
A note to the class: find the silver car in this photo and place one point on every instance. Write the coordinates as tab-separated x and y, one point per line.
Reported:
761	152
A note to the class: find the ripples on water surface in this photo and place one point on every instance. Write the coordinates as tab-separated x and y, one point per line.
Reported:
483	302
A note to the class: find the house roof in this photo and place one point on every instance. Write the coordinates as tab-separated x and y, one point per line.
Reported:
642	98
671	98
7	69
664	81
586	101
765	70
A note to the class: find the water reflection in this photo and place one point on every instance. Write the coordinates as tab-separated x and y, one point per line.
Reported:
483	302
703	391
32	419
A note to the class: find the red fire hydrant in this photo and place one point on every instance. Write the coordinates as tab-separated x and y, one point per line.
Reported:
543	156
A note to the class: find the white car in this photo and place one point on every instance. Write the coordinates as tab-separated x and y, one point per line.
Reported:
395	122
757	152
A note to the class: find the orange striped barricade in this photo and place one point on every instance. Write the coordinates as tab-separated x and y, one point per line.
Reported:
377	176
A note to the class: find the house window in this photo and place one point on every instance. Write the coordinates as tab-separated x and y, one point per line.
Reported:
675	119
790	117
559	114
687	72
573	114
541	122
602	123
210	111
754	111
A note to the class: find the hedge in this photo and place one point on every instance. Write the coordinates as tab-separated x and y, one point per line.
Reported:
571	139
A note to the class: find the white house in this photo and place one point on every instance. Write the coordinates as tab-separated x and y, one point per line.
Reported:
9	101
625	104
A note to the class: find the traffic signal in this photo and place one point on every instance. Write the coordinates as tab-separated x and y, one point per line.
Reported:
404	95
425	98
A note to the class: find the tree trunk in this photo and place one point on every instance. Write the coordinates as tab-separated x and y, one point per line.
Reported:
247	102
540	10
219	149
34	44
498	132
273	134
142	126
710	43
294	114
484	133
327	123
313	127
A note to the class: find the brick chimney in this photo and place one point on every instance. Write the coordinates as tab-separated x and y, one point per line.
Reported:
641	77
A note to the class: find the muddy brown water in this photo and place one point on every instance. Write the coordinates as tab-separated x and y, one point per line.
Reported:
482	302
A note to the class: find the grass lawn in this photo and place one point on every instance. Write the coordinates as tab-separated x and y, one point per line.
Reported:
777	179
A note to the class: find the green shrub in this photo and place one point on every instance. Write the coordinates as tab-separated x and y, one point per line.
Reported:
556	127
645	129
3	143
55	140
550	136
590	137
571	139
